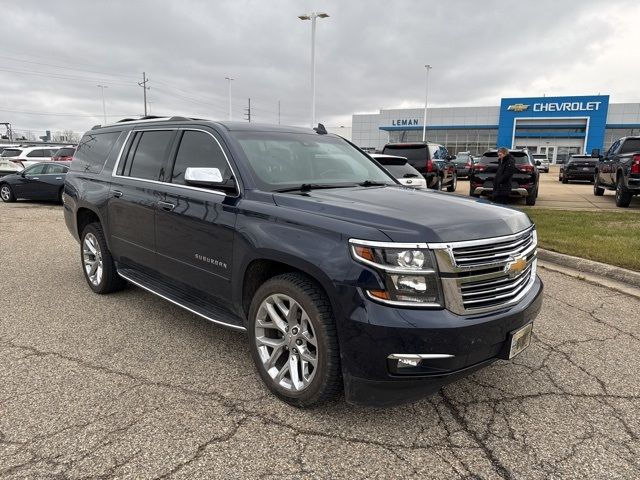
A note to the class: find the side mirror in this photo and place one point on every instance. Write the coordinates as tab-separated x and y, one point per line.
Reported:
208	177
538	163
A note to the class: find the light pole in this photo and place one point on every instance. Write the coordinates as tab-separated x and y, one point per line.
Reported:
229	80
426	98
312	16
104	108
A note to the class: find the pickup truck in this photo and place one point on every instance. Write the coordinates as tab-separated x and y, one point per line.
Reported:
342	279
619	170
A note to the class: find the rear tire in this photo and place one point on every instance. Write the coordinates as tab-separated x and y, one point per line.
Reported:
598	191
97	263
438	185
623	195
60	195
531	199
564	179
291	318
454	183
6	193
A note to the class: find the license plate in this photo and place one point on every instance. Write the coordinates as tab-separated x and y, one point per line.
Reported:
520	339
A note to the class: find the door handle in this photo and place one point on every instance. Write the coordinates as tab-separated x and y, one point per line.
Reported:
117	193
35	178
58	178
166	206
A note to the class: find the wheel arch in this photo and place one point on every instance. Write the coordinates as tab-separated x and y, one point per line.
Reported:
261	269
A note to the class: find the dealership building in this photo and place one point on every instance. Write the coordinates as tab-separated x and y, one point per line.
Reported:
557	126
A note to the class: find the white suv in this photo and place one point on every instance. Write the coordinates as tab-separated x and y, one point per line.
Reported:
16	159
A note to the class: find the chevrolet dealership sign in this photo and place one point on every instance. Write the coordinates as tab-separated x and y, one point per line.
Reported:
404	121
566	107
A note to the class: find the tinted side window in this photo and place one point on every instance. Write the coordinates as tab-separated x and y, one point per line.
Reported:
630	145
56	169
198	149
35	153
92	152
148	159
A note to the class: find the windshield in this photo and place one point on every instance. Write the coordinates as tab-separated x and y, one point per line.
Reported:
520	158
65	152
414	153
281	159
403	171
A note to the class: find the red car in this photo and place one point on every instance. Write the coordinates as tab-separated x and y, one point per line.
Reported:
64	154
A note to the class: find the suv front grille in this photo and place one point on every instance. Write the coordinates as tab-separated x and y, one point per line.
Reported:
485	275
491	252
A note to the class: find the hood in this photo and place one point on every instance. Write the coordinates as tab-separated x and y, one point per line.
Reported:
407	215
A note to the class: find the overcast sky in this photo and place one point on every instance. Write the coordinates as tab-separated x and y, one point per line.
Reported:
370	55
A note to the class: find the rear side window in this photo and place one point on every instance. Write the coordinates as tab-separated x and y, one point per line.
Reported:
11	152
56	169
148	159
631	145
198	149
93	151
36	153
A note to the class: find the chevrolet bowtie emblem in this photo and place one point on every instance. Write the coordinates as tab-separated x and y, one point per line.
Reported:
518	107
515	268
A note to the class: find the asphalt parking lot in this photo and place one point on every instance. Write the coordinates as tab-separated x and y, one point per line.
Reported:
129	386
576	195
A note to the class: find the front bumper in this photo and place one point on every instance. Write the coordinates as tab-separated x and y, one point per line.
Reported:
375	331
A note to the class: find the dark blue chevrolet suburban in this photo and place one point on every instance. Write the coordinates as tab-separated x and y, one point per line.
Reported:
343	279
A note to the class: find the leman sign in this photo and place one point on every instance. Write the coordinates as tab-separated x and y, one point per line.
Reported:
566	107
405	121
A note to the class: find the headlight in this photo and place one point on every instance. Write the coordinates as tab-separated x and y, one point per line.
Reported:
409	273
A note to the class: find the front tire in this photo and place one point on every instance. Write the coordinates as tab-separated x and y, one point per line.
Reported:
6	193
97	263
293	340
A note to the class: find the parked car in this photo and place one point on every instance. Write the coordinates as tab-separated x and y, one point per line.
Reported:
544	161
341	277
431	160
43	181
579	167
524	183
463	162
401	170
64	154
27	156
619	170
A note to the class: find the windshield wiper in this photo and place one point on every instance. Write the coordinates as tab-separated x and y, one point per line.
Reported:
307	187
371	183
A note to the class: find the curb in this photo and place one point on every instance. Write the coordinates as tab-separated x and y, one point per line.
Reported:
628	277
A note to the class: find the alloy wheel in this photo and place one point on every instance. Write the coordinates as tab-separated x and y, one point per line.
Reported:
286	342
92	259
5	193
